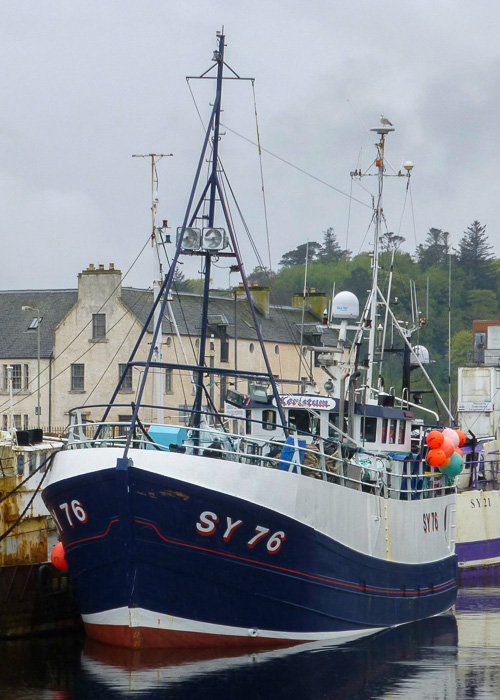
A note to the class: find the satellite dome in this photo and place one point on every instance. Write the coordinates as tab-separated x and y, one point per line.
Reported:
420	352
345	305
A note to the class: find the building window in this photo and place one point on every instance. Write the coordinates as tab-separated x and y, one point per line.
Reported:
78	377
17	378
125	422
17	421
168	381
222	391
26	376
276	349
127	380
98	326
5	422
224	345
184	412
251	347
26	422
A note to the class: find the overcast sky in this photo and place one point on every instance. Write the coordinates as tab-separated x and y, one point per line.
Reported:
86	84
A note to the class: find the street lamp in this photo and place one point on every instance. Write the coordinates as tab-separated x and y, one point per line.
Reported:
38	319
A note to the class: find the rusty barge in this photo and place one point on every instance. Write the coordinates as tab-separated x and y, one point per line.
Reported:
35	597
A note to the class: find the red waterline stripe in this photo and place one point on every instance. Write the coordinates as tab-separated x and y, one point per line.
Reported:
95	537
293	571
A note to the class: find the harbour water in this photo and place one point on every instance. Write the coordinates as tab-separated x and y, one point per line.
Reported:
452	656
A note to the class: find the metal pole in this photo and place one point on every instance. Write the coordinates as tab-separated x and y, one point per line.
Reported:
38	359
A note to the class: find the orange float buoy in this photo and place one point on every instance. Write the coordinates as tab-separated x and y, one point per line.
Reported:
434	439
462	438
57	557
436	457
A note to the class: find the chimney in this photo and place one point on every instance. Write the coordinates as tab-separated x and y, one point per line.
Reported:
96	285
261	296
316	301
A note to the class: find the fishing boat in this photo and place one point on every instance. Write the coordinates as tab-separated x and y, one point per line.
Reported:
35	597
291	518
478	498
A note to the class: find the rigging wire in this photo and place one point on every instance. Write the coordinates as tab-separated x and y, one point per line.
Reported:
262	178
296	167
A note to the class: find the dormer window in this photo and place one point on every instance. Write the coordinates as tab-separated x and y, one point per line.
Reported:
34	324
98	326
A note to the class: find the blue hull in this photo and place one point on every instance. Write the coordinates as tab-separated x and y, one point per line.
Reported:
141	543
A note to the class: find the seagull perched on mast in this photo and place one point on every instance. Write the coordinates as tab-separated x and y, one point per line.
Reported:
385	121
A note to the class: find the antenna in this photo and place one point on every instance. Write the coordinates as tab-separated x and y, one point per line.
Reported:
156	232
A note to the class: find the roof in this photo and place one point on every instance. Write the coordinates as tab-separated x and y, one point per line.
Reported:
17	341
281	325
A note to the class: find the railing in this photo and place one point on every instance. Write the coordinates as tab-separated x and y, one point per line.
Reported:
478	474
314	457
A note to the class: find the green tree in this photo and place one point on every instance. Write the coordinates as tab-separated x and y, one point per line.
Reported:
434	250
262	275
331	250
391	242
461	348
475	257
481	304
300	254
181	284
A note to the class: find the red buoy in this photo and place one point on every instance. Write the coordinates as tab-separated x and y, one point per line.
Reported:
57	557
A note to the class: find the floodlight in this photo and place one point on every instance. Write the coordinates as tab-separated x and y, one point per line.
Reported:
191	239
214	239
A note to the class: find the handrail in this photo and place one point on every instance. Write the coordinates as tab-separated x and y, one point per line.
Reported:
377	473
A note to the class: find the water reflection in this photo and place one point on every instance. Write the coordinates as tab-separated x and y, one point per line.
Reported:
367	668
478	621
452	656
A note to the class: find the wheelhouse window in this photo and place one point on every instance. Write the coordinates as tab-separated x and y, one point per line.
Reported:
392	431
78	377
401	432
368	429
385	424
269	419
248	422
127	380
98	326
333	422
303	421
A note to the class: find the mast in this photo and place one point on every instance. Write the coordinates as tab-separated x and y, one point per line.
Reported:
378	212
212	186
205	243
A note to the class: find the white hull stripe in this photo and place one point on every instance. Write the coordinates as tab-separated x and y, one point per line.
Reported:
139	617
